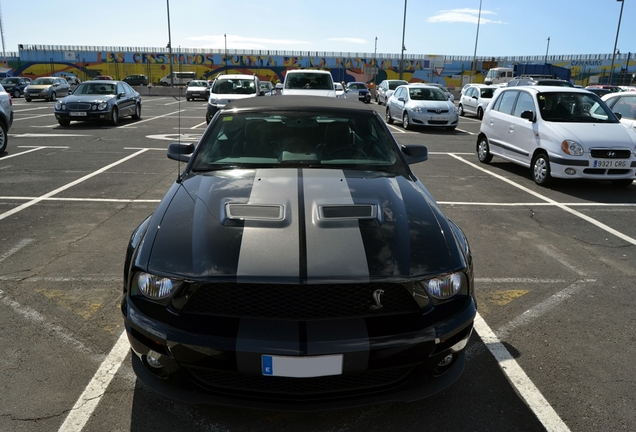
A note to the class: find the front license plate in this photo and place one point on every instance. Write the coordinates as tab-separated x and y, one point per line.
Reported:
610	163
302	367
77	114
444	118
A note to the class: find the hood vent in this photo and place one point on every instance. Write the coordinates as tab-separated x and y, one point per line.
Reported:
348	211
259	212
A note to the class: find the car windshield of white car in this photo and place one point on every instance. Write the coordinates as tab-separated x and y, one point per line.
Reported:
198	84
394	84
574	108
234	86
303	139
487	93
429	94
309	81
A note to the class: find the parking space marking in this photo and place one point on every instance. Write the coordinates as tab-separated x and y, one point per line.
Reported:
395	128
563	207
30	109
32	117
202	124
22	243
38	135
519	380
28	151
106	200
68	185
150	119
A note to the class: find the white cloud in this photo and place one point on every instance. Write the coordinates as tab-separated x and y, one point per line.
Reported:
465	15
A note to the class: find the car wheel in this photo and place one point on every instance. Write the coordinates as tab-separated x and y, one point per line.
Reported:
27	99
480	113
16	94
483	150
406	121
460	108
389	119
137	114
622	182
541	170
165	84
64	122
114	117
53	97
4	138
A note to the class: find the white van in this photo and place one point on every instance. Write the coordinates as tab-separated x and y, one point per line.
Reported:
499	75
308	82
179	78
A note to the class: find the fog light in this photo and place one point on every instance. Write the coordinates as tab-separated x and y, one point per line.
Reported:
152	359
570	171
445	361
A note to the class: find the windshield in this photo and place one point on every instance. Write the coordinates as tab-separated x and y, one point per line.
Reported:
287	139
574	108
198	84
312	81
43	81
234	86
394	84
487	93
95	89
426	94
9	81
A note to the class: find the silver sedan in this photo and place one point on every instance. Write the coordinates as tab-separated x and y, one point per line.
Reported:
421	105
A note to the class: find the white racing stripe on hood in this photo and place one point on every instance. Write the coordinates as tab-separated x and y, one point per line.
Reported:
271	248
334	249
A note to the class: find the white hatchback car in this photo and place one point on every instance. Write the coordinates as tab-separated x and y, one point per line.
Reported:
475	98
308	82
623	103
421	105
558	132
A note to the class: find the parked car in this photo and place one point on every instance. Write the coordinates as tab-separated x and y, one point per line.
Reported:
227	88
308	82
340	91
103	78
358	91
446	91
268	88
178	78
48	88
99	100
611	88
421	105
298	264
136	80
386	88
6	118
599	91
15	85
623	104
529	80
197	89
560	132
474	99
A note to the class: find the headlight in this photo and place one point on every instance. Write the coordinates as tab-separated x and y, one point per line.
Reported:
102	106
154	287
58	105
572	148
416	109
455	110
446	286
213	101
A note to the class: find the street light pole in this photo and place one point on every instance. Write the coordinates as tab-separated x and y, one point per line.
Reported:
546	52
618	29
170	44
403	47
225	56
474	68
375	61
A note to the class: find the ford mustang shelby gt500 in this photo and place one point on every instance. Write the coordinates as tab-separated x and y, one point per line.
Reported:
298	264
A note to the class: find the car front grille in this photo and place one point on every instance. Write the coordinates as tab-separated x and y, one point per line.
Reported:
78	106
437	122
296	387
610	153
279	301
434	111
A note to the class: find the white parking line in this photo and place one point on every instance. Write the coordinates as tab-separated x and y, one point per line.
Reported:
30	109
22	243
108	200
32	117
202	124
150	119
25	152
519	380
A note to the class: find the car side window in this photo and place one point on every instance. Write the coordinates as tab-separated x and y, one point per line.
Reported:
524	103
506	101
626	107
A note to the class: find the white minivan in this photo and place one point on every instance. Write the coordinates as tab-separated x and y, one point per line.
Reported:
308	82
178	78
561	132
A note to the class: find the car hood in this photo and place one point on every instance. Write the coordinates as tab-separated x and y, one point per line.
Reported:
87	98
227	98
308	92
593	134
432	105
299	224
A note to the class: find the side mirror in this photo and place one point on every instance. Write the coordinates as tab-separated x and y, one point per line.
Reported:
618	115
401	99
180	152
415	153
528	115
279	86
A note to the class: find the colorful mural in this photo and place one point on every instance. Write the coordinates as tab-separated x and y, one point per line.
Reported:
40	60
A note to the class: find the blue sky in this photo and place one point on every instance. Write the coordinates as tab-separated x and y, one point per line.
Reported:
507	28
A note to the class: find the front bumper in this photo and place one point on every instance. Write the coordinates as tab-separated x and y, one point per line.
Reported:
37	95
85	116
222	369
429	119
583	168
197	95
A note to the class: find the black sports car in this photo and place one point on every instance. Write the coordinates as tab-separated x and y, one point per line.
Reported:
104	100
298	264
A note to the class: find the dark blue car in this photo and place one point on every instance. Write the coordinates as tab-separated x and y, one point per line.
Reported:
358	90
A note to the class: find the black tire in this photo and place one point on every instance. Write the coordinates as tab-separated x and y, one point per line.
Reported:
137	114
406	121
165	84
460	108
64	122
622	182
483	150
4	138
541	170
389	119
53	97
27	99
16	93
480	113
114	116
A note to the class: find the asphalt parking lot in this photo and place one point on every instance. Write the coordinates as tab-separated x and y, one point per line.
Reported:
554	341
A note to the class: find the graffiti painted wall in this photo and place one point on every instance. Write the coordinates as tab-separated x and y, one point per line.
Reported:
38	61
